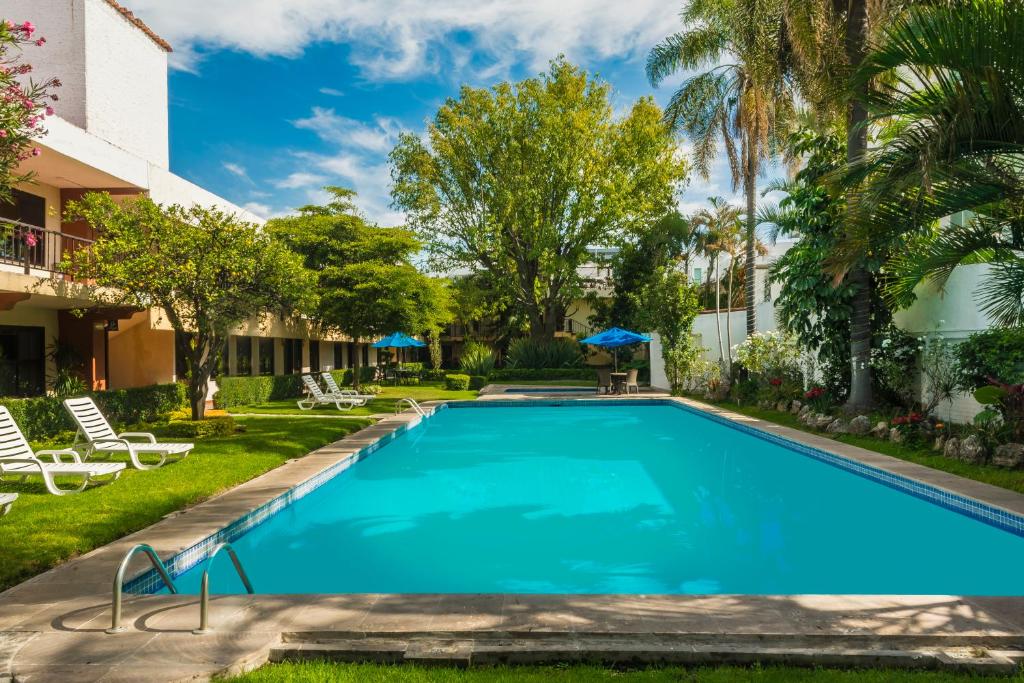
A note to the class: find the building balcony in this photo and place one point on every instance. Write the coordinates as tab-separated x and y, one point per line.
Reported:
32	250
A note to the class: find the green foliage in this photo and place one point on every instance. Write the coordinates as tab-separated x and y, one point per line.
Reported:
433	375
25	103
939	371
45	417
670	304
513	374
456	382
476	359
768	355
205	269
243	391
996	354
527	352
366	284
434	342
519	180
894	365
222	425
477	382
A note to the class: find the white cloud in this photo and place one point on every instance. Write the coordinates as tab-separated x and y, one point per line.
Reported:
401	39
236	169
261	210
341	130
300	179
332	92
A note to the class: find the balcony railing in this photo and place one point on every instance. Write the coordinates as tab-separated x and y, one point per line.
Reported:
36	249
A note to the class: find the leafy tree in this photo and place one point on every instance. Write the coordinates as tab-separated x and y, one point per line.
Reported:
740	95
670	304
206	270
519	180
366	283
24	104
951	102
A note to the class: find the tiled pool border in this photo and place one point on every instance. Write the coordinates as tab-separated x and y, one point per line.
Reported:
149	581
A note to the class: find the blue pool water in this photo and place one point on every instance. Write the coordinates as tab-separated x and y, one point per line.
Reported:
612	499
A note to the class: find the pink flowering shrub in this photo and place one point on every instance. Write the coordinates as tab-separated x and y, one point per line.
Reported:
24	103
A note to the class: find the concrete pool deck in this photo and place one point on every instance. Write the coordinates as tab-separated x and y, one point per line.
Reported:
52	626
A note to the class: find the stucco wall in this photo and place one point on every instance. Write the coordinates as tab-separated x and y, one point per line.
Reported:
167	188
139	354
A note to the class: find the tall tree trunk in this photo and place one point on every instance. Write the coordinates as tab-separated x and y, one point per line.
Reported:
201	362
355	363
728	314
856	143
718	313
750	181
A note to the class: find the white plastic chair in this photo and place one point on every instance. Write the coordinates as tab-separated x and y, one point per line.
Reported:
99	437
316	397
335	390
6	500
18	460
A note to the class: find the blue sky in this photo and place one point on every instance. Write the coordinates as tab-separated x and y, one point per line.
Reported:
270	101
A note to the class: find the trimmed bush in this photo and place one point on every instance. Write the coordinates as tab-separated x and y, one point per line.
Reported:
243	391
223	425
513	374
437	375
44	417
456	382
996	354
552	353
477	382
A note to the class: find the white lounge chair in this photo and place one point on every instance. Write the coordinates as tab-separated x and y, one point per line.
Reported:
6	500
333	388
19	461
99	437
316	397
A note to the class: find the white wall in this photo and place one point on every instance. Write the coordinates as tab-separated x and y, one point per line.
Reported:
114	76
167	188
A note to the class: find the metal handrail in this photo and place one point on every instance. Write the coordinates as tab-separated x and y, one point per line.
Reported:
115	619
35	247
412	402
204	591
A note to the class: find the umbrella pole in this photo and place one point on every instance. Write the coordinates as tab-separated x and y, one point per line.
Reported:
615	353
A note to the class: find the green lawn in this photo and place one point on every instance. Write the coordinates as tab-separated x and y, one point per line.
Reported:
366	673
384	403
1007	479
43	530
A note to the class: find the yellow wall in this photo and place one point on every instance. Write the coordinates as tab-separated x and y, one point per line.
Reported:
139	354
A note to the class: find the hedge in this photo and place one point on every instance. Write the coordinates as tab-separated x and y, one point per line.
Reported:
513	374
44	417
243	391
456	382
477	382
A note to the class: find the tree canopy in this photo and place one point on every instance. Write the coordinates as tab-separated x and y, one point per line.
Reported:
205	269
519	180
366	283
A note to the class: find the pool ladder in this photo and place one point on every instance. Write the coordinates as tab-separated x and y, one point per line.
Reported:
409	402
161	568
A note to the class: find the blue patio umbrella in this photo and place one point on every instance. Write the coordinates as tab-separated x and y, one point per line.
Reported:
397	340
615	337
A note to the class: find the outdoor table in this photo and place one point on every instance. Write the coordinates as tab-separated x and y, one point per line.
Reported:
618	380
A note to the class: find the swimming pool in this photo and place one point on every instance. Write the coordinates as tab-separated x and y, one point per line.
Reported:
551	390
614	497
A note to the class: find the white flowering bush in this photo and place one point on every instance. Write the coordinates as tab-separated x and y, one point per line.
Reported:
768	355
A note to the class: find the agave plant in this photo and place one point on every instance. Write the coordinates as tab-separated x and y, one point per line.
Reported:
476	359
554	353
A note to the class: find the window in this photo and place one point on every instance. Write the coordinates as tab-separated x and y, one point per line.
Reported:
314	356
292	356
267	357
243	356
338	356
22	361
698	275
351	354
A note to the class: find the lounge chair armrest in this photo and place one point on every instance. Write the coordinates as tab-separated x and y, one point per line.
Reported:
30	460
101	443
56	454
141	435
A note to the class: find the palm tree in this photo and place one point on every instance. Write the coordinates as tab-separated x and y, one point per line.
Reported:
742	99
954	101
723	230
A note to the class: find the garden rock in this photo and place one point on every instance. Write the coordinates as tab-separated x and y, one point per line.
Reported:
952	448
895	435
1009	455
940	443
781	406
880	431
795	407
838	426
804	410
823	421
860	425
972	450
